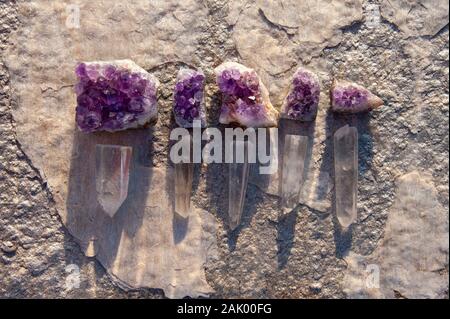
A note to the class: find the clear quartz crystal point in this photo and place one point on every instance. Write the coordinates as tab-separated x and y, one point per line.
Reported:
112	171
346	174
184	174
238	181
294	155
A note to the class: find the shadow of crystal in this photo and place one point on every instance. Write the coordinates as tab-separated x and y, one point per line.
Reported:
86	220
286	221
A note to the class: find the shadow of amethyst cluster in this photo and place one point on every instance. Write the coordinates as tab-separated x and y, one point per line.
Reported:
245	99
302	102
188	103
114	96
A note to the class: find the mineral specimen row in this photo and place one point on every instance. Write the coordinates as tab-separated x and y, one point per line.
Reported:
119	95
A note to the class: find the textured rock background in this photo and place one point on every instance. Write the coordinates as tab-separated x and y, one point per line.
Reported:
401	55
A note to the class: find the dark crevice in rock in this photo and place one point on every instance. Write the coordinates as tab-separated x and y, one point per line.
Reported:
278	26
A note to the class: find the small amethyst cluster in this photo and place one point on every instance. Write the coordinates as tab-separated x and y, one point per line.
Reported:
347	97
243	99
241	90
243	86
302	101
114	96
188	98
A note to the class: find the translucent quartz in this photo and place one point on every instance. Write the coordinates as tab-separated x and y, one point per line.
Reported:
238	181
346	174
112	171
184	174
294	155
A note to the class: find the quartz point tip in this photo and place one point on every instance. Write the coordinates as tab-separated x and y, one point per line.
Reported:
349	97
238	181
188	105
346	174
302	101
112	171
245	99
294	155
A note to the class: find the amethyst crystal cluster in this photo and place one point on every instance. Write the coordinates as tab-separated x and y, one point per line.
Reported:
188	103
245	98
348	97
114	96
302	101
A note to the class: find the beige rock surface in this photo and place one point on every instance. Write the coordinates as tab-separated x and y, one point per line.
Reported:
416	18
413	252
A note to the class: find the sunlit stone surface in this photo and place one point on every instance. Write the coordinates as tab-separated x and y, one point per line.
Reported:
114	96
188	105
348	97
346	174
238	182
413	253
295	149
302	101
112	168
245	99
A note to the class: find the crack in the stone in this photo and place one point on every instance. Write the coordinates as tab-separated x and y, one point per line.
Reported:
275	24
280	27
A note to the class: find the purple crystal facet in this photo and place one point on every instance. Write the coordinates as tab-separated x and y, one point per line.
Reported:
302	101
113	96
245	99
347	97
188	98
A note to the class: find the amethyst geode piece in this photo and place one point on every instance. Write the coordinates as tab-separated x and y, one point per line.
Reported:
302	101
114	96
348	97
245	99
188	103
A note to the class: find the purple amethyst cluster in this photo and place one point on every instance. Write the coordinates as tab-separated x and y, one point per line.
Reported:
347	97
188	98
302	101
114	96
245	99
